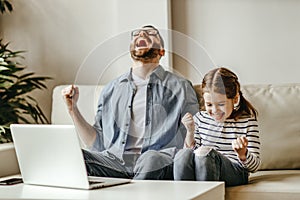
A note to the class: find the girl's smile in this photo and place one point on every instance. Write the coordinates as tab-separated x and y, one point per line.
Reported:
218	106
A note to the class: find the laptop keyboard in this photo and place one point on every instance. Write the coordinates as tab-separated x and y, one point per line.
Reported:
93	180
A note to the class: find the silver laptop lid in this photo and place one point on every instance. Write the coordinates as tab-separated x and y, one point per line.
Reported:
50	155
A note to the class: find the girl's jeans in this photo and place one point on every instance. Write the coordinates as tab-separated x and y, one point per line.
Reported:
208	166
152	165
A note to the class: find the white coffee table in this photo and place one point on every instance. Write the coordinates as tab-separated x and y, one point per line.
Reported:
137	189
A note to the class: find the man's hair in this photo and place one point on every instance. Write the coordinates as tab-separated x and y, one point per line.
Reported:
160	37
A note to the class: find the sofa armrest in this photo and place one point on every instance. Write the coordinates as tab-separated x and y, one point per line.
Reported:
9	164
87	104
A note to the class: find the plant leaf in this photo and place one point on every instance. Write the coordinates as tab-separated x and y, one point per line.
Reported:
16	103
8	5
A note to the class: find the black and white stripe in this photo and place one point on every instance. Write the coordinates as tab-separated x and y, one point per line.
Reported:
219	136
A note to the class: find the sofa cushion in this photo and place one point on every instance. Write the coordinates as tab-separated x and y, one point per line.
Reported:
268	185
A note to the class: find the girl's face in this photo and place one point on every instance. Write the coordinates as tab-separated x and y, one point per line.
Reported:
218	106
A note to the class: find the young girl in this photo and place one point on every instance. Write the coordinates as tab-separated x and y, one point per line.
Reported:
222	143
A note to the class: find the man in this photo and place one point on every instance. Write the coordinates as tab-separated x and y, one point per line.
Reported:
137	126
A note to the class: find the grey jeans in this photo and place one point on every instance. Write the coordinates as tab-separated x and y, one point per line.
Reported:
210	166
151	165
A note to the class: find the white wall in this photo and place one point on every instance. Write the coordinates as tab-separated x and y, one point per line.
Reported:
258	39
75	41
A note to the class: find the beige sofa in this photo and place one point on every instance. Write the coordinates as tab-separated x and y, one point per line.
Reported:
279	117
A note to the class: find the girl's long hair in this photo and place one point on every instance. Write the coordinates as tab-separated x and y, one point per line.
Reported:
223	81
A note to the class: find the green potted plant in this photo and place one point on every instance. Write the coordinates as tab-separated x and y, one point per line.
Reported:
16	103
5	5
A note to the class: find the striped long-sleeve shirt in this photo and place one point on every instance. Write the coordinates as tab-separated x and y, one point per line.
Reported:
219	136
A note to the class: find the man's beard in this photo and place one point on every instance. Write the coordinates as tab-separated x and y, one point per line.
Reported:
146	56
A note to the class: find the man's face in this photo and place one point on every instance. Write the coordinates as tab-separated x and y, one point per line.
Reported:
145	44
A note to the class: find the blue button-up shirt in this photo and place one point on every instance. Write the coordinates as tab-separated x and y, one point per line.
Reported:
169	97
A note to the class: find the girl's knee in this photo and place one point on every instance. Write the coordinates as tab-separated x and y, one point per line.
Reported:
207	158
153	163
150	155
183	155
153	157
204	151
184	165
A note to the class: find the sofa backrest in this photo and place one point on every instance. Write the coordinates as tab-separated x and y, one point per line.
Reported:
278	116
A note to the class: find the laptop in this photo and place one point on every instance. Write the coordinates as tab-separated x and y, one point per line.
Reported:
51	155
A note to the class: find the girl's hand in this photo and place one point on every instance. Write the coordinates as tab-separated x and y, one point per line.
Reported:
188	122
240	147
